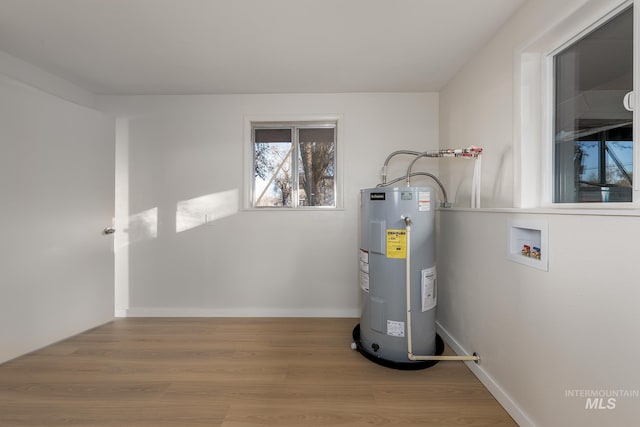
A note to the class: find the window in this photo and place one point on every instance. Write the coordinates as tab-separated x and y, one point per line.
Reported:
294	164
592	129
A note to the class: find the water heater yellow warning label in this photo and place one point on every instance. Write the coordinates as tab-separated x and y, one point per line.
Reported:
396	243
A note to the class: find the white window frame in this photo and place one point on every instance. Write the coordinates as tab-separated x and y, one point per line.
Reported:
533	102
248	169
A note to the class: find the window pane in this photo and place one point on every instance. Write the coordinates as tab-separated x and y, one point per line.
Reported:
272	164
316	160
588	162
619	170
294	164
593	147
273	135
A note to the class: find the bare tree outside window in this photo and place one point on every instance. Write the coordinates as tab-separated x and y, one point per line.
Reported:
307	149
317	160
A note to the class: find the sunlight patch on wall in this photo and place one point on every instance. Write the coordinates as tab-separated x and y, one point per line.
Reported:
141	226
201	210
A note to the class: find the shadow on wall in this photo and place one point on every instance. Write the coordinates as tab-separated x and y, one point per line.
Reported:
500	186
139	227
143	226
500	196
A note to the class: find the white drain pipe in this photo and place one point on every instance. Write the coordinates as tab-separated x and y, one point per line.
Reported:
410	355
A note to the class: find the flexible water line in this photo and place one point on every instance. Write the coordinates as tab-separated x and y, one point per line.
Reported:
418	157
410	355
445	203
469	153
390	156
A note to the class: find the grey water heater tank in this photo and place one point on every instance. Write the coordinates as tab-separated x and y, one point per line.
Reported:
382	334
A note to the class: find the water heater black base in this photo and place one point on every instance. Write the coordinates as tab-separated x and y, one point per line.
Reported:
405	366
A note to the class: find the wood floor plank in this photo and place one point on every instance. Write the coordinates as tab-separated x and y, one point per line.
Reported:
232	372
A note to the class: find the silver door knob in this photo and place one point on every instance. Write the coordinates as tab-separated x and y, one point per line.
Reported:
108	230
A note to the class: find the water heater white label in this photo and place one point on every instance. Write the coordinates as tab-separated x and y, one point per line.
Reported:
364	261
364	267
395	329
364	281
429	288
424	201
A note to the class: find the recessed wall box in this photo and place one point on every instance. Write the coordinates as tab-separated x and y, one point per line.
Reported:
528	243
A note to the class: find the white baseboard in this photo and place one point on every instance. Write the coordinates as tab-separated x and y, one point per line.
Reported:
494	388
237	312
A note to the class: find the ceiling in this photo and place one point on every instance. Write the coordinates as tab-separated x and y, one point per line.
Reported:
250	46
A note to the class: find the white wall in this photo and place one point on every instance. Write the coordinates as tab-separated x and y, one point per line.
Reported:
477	105
21	71
252	263
538	333
56	268
542	333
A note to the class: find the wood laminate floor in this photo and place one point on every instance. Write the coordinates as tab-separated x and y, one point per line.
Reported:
232	372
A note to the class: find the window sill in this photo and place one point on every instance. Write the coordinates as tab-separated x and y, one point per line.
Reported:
275	209
617	211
